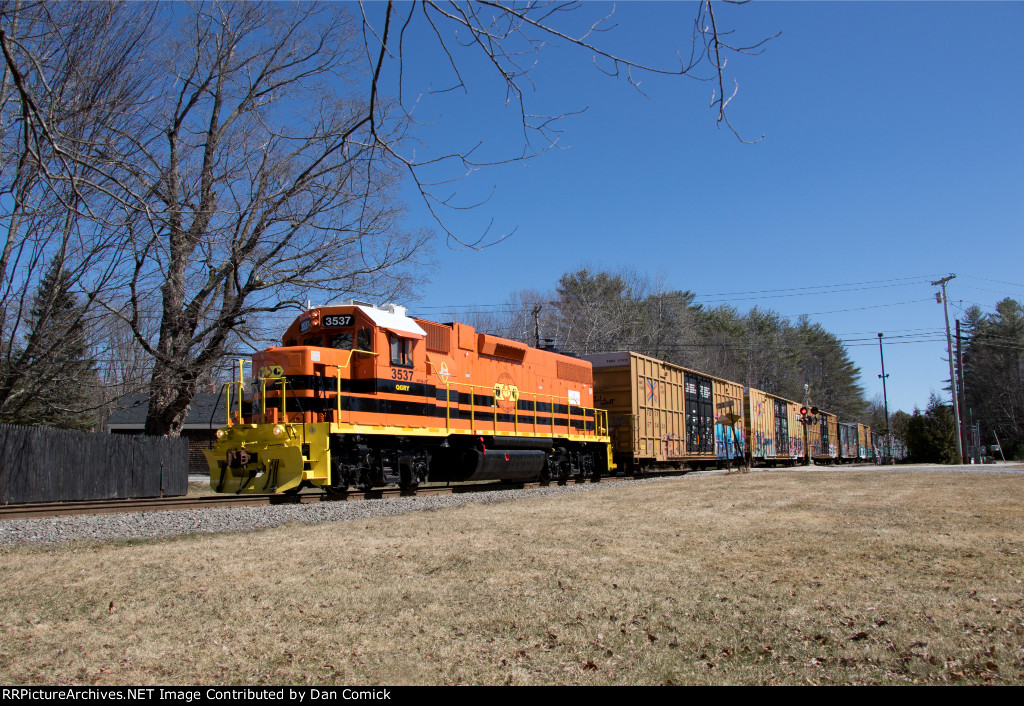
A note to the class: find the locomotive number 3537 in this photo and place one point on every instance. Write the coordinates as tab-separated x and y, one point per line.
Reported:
335	321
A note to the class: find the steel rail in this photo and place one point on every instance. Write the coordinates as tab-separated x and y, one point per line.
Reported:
208	502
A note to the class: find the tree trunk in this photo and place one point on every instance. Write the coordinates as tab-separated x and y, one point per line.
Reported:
170	395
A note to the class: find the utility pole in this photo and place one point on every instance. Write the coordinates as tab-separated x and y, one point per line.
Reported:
962	396
536	325
885	398
942	299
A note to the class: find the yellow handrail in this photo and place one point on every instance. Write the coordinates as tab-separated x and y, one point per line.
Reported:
447	396
337	376
240	384
600	416
263	395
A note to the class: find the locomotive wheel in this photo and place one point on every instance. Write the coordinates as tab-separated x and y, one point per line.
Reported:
407	484
364	485
338	486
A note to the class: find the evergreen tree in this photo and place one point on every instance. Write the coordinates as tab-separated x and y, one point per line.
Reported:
826	367
994	373
772	354
53	376
595	311
931	437
722	331
666	329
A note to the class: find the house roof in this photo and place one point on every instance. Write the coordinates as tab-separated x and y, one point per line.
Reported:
208	411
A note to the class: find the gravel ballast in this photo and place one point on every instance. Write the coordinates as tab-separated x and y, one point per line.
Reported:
171	523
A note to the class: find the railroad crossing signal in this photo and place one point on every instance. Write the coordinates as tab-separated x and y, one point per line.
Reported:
808	416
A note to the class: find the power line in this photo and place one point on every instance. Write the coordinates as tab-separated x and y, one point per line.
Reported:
857	308
782	292
995	281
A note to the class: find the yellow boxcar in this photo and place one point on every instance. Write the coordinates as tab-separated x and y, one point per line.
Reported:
662	415
865	449
823	438
774	431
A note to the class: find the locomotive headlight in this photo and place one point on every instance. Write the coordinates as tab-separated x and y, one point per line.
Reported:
278	430
221	433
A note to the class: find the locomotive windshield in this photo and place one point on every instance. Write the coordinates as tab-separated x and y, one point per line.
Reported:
342	341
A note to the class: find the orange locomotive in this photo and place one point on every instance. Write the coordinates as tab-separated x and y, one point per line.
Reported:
366	396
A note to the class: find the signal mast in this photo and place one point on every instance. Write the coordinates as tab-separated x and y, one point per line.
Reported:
808	413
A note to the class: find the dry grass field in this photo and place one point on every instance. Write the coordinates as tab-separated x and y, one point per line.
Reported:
850	577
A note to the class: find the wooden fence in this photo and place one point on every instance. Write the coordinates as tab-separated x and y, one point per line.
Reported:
54	465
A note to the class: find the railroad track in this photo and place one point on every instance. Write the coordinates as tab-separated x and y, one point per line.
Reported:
103	507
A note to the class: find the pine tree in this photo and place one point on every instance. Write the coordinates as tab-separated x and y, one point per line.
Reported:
57	375
827	368
931	437
994	373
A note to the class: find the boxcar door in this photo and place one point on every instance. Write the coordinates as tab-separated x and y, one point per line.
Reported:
781	429
700	415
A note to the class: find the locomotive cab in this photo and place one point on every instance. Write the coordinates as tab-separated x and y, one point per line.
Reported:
331	358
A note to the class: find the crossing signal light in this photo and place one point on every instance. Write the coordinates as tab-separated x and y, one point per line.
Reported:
808	415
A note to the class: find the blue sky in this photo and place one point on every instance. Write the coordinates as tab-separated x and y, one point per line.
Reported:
892	156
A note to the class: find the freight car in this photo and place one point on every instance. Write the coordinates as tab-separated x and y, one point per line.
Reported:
365	396
847	442
662	415
865	445
774	429
856	444
822	437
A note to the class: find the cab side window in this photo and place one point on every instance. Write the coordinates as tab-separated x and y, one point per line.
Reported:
364	341
401	351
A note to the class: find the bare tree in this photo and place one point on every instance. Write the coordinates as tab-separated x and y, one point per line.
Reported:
70	80
258	182
527	317
508	38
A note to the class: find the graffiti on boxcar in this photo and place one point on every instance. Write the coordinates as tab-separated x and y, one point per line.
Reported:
763	444
673	445
729	442
796	447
